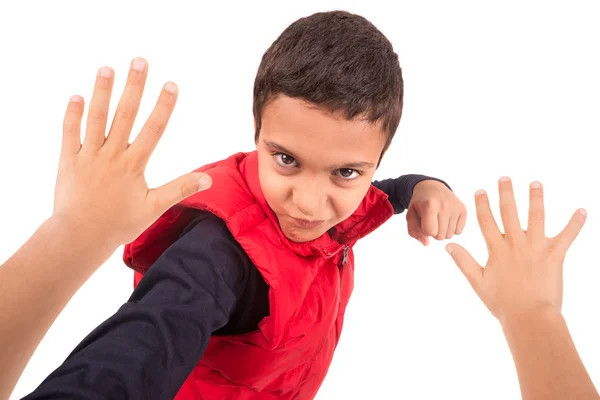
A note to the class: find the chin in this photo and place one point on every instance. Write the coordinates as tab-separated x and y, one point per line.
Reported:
301	235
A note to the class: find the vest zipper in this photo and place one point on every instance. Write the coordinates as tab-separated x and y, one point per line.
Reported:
345	256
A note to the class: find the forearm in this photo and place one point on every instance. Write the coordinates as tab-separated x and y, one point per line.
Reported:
149	347
52	265
546	359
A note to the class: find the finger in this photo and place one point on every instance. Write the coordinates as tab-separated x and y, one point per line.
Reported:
462	221
71	142
443	223
452	226
98	111
129	104
413	223
487	223
429	220
166	196
566	237
508	208
467	265
146	142
535	224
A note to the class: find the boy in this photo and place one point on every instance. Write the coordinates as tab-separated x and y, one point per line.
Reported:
241	289
327	101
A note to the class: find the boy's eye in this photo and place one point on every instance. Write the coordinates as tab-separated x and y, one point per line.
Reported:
284	160
348	173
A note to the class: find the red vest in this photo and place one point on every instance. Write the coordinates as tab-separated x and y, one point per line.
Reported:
309	287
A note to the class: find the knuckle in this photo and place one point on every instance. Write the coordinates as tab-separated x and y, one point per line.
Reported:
98	116
537	216
486	221
186	189
429	231
430	203
69	127
126	113
156	127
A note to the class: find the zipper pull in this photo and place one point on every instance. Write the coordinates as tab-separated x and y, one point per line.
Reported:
345	257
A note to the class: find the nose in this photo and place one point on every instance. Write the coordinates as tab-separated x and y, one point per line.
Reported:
309	197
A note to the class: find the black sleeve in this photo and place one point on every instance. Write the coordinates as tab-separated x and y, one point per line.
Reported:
150	346
400	190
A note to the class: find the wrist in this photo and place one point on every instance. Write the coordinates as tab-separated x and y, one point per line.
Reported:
542	315
81	234
428	180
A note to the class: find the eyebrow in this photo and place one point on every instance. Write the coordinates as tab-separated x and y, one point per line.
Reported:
277	147
357	165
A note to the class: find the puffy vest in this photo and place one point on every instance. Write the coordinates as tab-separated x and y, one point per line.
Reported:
310	284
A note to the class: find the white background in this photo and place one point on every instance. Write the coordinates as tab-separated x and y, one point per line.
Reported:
491	90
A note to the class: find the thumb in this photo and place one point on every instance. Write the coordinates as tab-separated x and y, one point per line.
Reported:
467	265
169	194
413	223
567	236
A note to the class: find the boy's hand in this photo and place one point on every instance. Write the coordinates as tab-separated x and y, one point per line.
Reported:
435	211
524	269
100	188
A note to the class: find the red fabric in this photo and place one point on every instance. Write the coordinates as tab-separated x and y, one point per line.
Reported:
309	287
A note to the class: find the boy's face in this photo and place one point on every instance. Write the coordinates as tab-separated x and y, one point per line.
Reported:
314	167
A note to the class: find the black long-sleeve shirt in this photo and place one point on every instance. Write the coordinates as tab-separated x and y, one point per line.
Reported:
204	284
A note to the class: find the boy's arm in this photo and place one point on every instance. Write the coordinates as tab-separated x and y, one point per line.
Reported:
151	345
400	190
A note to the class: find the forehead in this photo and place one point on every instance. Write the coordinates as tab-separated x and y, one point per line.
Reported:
312	132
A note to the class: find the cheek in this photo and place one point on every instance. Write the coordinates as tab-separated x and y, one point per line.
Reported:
274	188
346	204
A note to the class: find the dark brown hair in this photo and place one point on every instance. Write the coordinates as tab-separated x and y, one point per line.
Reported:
338	61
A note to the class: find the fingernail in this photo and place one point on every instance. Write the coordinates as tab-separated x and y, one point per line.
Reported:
205	182
583	212
139	64
505	179
105	72
536	185
479	192
76	99
171	87
449	249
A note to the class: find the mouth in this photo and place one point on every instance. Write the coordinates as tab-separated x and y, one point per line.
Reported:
306	224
